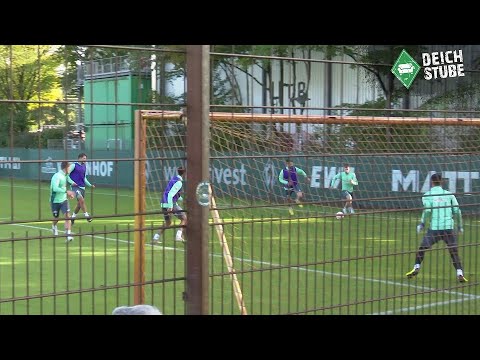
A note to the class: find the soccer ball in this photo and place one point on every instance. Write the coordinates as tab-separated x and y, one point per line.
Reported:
339	215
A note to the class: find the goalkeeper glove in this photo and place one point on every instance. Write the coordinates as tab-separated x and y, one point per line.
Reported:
420	227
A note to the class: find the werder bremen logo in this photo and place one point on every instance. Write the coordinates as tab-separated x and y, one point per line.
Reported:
405	69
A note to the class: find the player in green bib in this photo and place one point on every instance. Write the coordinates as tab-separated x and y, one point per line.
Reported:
348	179
440	208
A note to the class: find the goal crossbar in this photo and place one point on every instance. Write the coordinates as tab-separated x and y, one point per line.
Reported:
315	119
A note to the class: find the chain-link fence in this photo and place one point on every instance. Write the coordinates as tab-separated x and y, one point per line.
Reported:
269	129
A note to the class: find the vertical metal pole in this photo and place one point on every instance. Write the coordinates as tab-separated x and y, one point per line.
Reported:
139	198
328	85
198	153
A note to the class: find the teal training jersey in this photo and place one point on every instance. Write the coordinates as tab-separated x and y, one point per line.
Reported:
439	207
346	180
58	187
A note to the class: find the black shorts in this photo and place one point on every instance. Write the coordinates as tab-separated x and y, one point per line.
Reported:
177	211
57	207
79	192
291	190
345	194
434	236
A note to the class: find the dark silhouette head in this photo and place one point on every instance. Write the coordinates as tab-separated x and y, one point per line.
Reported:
436	179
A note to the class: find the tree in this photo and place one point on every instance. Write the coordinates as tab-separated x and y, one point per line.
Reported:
27	73
260	66
259	58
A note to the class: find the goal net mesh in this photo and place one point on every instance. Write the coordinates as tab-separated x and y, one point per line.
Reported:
393	158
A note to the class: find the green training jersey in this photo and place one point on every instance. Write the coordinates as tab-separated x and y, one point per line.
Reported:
58	187
439	207
346	180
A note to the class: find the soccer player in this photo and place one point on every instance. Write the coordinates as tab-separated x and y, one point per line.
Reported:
439	207
348	180
289	178
77	178
169	205
58	199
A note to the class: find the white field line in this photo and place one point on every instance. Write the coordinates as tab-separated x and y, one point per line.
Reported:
358	278
414	308
46	189
95	236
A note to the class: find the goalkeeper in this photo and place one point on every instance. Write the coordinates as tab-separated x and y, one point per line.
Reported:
440	206
289	178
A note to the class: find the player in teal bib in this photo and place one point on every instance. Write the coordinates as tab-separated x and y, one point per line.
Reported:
348	179
59	201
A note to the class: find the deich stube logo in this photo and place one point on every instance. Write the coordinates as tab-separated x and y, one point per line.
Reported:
438	64
443	64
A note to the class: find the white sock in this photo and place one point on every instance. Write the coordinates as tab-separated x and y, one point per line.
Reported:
179	234
74	215
68	232
459	272
86	214
54	227
416	266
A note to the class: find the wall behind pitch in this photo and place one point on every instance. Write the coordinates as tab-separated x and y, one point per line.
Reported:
385	181
105	168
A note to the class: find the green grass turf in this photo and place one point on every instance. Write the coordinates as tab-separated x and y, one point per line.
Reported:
285	264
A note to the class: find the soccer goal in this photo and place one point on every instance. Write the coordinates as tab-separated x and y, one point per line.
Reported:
393	158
